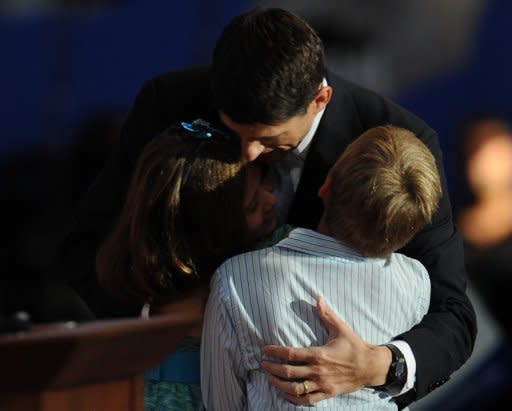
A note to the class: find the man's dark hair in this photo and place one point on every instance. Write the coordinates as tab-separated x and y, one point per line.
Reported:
267	67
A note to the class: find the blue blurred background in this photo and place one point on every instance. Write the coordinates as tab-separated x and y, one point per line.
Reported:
65	63
71	69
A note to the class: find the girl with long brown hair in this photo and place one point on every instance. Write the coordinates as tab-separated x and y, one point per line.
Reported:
192	203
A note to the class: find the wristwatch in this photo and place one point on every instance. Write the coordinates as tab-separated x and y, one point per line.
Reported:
397	373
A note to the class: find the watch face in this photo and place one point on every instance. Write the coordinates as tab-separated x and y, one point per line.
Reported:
401	368
397	373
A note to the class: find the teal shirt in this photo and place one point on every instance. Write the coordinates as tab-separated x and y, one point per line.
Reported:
175	383
277	235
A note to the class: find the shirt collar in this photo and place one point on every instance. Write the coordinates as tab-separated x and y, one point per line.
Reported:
302	149
312	242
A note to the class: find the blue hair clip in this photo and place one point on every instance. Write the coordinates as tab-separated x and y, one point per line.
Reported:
201	129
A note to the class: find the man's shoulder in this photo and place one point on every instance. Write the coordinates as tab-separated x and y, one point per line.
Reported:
169	97
371	108
349	90
182	84
185	75
177	85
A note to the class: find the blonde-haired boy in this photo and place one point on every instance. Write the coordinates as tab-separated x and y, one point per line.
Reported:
380	193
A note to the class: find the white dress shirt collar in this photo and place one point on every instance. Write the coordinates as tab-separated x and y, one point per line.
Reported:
302	149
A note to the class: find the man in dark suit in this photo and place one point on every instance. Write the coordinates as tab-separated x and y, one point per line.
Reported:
268	84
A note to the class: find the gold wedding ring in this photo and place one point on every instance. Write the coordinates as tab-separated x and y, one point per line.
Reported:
305	385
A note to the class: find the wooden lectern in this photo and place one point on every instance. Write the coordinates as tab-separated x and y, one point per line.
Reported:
96	366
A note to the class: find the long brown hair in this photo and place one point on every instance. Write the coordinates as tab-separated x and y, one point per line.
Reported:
182	217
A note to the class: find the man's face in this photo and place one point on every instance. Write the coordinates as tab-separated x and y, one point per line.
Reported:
271	142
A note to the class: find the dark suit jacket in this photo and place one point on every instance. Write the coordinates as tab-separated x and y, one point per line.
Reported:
444	339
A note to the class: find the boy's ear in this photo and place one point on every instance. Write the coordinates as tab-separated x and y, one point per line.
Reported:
325	190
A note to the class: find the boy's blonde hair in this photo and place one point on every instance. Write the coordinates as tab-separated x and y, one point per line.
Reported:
385	187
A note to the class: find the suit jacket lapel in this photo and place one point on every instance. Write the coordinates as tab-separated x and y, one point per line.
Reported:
335	131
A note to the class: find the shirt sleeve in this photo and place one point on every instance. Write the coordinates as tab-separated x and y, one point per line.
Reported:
410	361
223	375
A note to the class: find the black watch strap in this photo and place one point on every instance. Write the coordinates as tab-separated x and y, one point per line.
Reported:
397	373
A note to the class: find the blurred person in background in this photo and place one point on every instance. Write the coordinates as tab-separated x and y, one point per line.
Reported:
483	204
486	217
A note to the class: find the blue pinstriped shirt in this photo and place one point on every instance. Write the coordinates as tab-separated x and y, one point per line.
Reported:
268	297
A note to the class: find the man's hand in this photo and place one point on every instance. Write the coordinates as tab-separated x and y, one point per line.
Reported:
344	364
